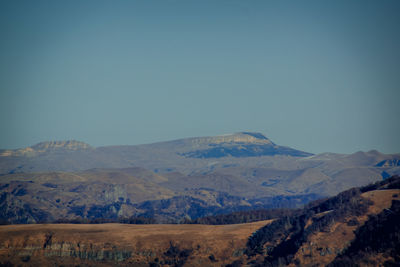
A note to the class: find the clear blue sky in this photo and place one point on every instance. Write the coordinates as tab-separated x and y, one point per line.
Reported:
315	75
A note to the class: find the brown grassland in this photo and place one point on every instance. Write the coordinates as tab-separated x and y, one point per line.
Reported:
48	244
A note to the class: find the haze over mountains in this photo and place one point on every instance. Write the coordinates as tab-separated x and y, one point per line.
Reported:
174	180
188	156
174	155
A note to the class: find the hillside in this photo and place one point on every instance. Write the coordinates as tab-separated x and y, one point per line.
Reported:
123	245
340	231
112	194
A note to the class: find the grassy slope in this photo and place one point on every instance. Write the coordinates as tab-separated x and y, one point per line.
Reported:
326	229
145	242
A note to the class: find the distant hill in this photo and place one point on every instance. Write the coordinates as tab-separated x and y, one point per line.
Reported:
111	194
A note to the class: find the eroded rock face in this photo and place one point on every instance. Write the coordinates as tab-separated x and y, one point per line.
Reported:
45	246
123	245
243	137
48	146
76	250
244	144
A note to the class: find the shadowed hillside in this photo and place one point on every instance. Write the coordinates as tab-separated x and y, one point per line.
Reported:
344	230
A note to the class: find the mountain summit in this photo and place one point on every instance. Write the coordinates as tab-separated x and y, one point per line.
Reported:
47	146
241	137
243	144
56	145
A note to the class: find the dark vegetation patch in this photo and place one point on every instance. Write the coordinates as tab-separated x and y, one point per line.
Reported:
18	192
77	210
2	186
278	202
21	211
380	234
104	211
261	209
244	216
78	189
50	185
173	256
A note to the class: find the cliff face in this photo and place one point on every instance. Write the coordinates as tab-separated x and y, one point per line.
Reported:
46	147
123	245
52	250
243	137
66	145
238	145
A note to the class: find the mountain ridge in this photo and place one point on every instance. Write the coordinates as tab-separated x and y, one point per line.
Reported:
45	147
232	137
216	174
182	155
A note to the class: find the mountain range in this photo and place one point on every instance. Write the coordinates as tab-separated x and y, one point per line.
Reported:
174	180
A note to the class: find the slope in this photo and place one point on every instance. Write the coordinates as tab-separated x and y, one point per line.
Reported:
325	230
123	245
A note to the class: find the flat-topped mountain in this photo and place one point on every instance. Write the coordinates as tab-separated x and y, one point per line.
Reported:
157	156
241	137
243	144
46	147
60	145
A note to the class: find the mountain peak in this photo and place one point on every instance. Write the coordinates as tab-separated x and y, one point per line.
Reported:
240	137
47	146
242	144
254	134
65	145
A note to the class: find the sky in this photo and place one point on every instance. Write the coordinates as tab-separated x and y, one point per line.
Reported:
320	76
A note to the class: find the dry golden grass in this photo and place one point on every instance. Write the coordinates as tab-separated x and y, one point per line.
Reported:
225	242
341	234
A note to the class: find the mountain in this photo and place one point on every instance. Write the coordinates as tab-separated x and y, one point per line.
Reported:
187	156
46	147
175	180
358	227
184	155
243	144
